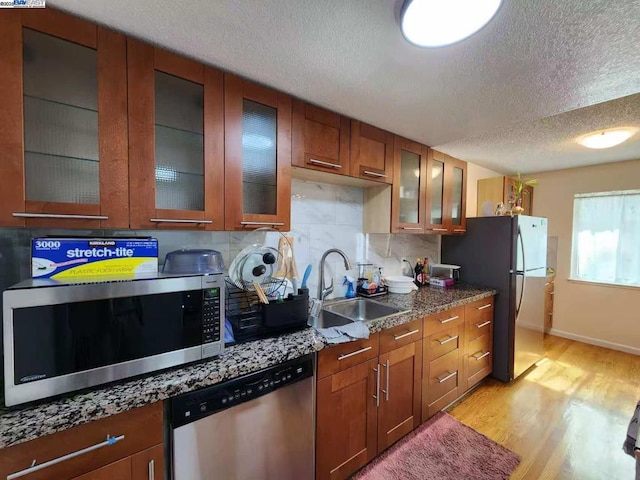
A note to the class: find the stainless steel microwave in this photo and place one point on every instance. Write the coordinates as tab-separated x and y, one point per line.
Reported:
63	337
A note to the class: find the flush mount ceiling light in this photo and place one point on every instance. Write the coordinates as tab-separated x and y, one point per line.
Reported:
606	138
435	23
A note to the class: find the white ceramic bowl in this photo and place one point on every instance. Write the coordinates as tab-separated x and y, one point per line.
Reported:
408	289
400	284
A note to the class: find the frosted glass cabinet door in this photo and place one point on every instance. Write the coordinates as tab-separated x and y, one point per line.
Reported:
409	187
257	156
176	135
457	172
436	221
66	164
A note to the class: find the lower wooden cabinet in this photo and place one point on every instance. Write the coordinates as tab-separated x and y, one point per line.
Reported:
138	455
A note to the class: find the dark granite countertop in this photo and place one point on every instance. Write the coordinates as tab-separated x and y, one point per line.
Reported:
17	426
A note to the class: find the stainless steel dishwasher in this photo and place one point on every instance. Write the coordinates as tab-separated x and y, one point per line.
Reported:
260	426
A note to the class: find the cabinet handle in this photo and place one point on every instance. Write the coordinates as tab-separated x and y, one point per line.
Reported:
374	174
461	230
411	228
484	306
352	354
480	355
35	468
152	470
480	325
547	284
439	229
60	215
404	335
275	224
178	220
447	377
552	293
377	395
444	341
450	319
550	314
386	392
313	161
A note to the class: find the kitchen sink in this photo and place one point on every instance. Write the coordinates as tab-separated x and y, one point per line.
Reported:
327	319
361	309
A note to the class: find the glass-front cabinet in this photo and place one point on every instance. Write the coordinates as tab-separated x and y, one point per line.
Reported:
446	194
64	159
176	140
258	156
408	203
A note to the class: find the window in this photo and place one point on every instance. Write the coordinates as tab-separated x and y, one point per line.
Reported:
606	238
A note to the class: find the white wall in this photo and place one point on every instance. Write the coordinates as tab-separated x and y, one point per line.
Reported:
475	173
603	315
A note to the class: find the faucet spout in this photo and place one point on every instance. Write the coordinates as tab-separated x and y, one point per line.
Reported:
322	291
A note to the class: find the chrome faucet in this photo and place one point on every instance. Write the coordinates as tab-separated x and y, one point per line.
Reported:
322	291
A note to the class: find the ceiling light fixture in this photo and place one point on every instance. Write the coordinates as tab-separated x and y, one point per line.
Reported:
606	138
436	23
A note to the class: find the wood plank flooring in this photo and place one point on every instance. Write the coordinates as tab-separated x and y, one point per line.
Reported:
567	417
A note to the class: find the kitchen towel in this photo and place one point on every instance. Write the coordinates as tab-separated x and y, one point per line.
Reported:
345	333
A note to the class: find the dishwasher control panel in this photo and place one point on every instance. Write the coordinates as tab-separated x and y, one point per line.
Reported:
193	406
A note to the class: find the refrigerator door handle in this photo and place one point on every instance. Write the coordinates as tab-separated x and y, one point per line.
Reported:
521	272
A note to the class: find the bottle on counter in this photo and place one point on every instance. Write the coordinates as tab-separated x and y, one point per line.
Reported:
425	271
419	269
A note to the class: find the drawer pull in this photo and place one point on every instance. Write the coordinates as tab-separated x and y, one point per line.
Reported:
484	306
552	293
35	468
60	215
444	341
450	319
459	230
387	365
179	220
152	470
374	174
377	395
447	377
547	284
405	335
275	224
480	325
439	229
411	228
313	161
353	354
480	355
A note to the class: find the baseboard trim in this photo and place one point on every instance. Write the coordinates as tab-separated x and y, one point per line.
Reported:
595	341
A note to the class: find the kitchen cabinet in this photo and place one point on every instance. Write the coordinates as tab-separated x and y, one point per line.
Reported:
320	139
409	191
371	152
366	401
64	158
258	156
137	452
176	140
549	293
443	345
492	191
478	352
446	194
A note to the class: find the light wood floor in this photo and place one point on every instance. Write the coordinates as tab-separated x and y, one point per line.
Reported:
567	417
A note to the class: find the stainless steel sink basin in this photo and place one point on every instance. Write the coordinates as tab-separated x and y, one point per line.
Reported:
361	309
328	319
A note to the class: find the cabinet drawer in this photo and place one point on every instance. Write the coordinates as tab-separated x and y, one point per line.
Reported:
480	309
481	325
480	355
335	359
443	320
443	376
401	335
443	342
141	429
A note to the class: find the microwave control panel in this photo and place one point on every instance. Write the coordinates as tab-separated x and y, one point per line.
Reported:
211	316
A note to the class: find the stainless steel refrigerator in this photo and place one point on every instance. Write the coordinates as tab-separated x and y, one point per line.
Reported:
510	255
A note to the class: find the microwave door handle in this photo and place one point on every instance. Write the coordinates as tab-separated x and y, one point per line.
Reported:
521	273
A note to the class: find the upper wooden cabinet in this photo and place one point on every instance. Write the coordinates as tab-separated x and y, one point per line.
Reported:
446	194
176	140
63	101
408	200
495	190
258	156
320	139
371	152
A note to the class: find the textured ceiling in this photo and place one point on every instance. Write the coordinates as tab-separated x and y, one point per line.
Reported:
550	143
537	58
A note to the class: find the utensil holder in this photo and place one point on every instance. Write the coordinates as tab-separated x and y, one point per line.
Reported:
291	313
